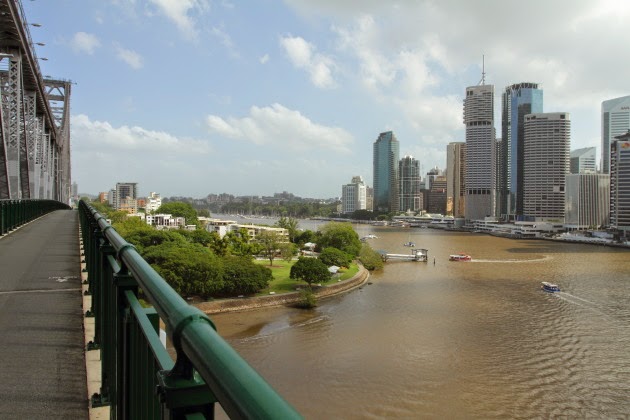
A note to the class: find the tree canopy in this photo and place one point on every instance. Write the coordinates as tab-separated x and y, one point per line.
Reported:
341	236
333	256
310	270
180	209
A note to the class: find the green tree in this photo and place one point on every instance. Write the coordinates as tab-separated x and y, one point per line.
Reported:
341	236
203	213
370	259
238	243
290	224
287	250
180	209
241	276
270	242
310	270
190	269
333	256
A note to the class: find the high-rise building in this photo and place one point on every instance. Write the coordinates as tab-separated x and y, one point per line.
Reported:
480	178
545	165
409	184
437	196
455	186
123	192
587	200
615	121
353	196
518	100
620	183
153	202
385	165
583	161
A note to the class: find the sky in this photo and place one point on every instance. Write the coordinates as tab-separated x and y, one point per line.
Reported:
194	97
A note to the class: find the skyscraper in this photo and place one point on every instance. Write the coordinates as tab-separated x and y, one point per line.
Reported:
518	100
124	191
583	161
480	175
385	165
587	200
455	186
620	183
545	165
409	190
353	195
615	121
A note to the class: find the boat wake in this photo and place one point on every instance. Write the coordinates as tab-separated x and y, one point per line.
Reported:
512	261
584	303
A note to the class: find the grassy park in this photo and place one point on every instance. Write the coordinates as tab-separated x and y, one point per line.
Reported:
281	282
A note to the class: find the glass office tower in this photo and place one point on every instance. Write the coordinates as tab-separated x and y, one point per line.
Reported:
385	165
518	100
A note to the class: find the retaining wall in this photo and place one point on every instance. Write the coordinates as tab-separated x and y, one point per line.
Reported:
248	303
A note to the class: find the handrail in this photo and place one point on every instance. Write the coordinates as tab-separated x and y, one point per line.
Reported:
200	351
14	213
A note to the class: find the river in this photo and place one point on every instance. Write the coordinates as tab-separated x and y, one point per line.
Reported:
472	339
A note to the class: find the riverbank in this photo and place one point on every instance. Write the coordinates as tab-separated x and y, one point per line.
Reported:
257	302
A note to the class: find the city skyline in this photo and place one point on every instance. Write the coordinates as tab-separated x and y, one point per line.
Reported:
190	98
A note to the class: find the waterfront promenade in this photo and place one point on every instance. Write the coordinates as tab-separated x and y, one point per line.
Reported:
42	357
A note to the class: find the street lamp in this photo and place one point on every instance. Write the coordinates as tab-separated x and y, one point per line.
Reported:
43	58
41	44
37	25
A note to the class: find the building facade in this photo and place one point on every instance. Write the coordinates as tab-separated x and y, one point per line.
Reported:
409	184
386	154
518	100
353	196
480	177
123	192
587	200
545	165
455	183
583	161
615	121
153	202
620	183
437	196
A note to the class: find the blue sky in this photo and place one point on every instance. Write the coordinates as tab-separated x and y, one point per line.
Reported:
191	97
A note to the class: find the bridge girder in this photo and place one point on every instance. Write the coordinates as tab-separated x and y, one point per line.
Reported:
34	117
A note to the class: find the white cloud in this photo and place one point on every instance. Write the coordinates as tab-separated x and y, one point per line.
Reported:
103	136
303	55
225	40
278	126
264	59
132	58
181	12
84	42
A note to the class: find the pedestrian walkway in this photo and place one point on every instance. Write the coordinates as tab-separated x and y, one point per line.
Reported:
42	359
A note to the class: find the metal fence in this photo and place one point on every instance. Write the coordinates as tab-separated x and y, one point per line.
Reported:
14	213
139	377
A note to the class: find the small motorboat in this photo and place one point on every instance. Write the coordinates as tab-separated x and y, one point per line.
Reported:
549	287
460	257
411	244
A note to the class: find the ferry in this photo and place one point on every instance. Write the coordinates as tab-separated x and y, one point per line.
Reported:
549	287
460	257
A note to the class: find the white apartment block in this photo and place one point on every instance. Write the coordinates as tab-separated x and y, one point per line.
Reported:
165	221
222	227
153	202
354	195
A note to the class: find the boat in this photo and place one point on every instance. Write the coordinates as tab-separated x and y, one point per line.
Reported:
459	257
549	287
411	244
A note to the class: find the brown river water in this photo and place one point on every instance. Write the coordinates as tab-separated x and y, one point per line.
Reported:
475	339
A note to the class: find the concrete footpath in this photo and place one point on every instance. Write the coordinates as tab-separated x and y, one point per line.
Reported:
42	359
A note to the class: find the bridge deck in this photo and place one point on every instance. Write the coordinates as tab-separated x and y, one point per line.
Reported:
42	361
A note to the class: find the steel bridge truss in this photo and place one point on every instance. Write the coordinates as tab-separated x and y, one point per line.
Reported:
34	118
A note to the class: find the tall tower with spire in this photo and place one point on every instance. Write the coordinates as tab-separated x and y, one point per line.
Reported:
480	178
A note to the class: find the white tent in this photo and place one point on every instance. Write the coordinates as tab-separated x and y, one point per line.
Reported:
333	269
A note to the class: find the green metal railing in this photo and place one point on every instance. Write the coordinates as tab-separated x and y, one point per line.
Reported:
14	213
139	377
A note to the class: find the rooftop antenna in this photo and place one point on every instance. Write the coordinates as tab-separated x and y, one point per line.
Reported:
483	70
